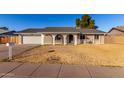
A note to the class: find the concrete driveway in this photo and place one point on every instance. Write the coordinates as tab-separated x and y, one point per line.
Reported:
16	50
28	70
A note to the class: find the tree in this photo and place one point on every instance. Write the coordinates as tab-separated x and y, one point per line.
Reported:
78	22
86	22
92	24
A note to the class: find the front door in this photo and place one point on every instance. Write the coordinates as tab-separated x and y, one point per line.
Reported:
70	39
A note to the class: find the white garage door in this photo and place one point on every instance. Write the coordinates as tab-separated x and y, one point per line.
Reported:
31	39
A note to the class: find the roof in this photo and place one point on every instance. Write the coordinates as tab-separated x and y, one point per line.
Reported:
49	29
88	31
31	30
60	30
4	28
3	31
8	33
119	28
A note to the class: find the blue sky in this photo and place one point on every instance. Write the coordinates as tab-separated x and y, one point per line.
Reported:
22	21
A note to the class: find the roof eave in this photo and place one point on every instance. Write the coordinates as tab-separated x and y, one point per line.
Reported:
94	33
46	32
115	29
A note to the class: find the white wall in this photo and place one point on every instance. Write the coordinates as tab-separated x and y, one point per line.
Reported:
48	39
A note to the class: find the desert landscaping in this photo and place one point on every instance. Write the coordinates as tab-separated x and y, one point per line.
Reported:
81	51
102	55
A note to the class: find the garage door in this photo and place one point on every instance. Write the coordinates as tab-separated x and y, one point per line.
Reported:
31	39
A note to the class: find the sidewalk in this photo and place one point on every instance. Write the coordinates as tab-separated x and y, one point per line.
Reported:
28	70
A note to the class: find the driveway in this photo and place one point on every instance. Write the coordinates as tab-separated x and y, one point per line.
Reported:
28	70
16	50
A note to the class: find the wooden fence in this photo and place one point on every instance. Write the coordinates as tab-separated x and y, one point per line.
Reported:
5	39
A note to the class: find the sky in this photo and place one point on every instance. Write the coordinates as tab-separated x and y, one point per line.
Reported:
19	22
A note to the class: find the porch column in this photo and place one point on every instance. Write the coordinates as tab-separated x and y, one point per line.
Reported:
99	39
103	37
85	39
20	39
93	39
42	39
65	39
53	36
75	39
79	39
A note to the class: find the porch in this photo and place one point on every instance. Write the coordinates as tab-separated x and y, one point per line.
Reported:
61	38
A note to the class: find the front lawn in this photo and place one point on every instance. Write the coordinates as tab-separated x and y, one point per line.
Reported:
103	55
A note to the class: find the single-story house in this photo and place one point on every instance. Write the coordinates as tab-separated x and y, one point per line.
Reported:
2	38
60	35
116	31
3	30
115	35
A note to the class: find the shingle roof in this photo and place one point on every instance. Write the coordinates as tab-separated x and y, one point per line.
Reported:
91	31
119	28
31	30
48	29
60	29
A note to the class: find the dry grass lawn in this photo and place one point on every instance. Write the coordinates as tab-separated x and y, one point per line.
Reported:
104	55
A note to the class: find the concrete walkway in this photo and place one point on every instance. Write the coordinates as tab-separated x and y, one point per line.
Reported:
28	70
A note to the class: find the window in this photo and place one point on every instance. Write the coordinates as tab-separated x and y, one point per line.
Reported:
82	36
96	36
58	37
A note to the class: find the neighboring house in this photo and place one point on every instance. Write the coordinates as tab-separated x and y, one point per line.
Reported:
116	31
61	35
8	37
115	35
3	30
